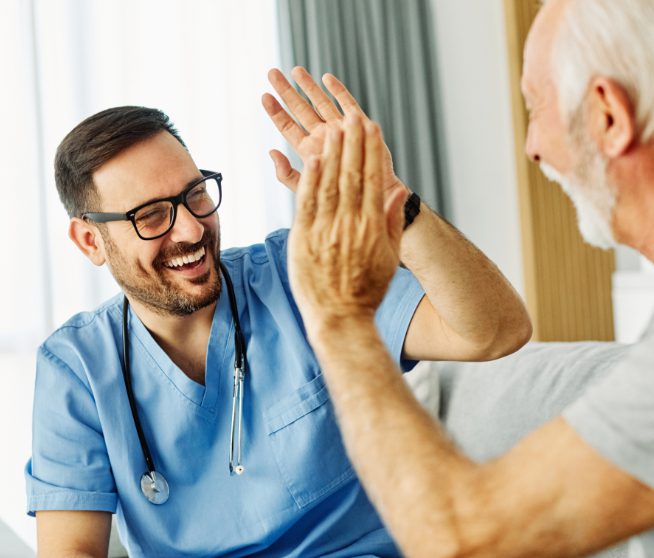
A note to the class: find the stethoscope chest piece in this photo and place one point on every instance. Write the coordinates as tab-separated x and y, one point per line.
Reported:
155	487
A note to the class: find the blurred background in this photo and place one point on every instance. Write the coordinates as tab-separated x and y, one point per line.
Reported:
440	75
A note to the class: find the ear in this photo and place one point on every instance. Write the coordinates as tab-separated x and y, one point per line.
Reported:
611	117
88	239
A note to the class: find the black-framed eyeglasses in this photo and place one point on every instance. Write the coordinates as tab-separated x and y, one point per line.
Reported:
155	218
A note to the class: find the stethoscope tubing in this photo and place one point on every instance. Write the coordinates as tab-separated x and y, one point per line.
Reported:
130	392
152	476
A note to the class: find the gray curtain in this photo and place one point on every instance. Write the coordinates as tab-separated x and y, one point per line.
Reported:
383	50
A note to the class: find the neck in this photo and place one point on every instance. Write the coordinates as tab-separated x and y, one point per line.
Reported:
633	219
183	338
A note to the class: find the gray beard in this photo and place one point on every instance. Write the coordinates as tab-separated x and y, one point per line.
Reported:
593	197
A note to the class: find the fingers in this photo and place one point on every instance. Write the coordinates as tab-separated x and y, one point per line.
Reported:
330	169
350	177
373	195
320	100
298	106
307	195
288	127
351	181
345	99
286	174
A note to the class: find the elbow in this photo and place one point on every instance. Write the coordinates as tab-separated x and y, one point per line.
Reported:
513	336
457	542
511	333
457	519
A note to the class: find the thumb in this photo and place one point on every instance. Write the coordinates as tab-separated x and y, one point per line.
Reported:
285	173
394	211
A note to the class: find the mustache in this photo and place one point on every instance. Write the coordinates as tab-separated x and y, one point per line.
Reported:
184	248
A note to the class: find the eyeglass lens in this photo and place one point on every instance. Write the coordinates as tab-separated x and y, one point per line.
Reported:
157	218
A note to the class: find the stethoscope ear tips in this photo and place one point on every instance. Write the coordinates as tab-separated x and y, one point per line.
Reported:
238	470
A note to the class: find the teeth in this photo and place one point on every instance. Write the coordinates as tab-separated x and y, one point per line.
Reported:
186	259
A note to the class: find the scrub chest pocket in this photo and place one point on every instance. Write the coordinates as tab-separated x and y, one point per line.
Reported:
306	443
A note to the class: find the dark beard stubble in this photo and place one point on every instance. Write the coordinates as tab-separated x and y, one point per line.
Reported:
157	292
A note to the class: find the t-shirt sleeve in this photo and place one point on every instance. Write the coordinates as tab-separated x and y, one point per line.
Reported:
396	312
616	416
69	468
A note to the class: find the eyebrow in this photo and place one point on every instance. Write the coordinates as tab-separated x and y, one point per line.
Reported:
188	185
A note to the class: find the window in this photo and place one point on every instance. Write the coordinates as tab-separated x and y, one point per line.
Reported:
204	63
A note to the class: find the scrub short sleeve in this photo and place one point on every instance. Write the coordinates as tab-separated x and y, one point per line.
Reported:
396	312
69	468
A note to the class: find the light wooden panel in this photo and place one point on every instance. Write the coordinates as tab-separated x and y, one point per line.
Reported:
567	283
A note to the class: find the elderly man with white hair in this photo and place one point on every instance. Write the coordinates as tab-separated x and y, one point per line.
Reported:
583	481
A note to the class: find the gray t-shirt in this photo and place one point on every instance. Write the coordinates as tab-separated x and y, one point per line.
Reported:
616	417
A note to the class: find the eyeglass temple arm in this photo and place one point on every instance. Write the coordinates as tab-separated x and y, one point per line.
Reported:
105	217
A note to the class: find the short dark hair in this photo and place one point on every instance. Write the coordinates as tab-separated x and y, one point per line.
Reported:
94	142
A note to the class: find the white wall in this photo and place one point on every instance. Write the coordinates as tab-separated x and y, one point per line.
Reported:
17	381
473	70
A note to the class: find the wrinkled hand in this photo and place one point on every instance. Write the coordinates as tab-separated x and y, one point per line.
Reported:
344	245
305	128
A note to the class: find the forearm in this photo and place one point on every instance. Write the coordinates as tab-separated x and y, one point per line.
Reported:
73	534
551	496
474	301
414	476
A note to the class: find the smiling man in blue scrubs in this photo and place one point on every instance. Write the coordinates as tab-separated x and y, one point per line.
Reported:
139	204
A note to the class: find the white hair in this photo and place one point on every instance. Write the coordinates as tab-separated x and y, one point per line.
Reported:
610	38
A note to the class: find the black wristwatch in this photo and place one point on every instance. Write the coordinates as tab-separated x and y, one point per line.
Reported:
411	208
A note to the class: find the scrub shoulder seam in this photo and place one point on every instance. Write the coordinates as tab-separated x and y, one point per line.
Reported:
49	355
234	255
86	318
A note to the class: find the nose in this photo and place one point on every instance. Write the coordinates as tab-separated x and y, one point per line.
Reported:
187	228
531	145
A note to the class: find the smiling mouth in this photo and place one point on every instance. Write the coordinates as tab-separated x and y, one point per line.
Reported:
187	261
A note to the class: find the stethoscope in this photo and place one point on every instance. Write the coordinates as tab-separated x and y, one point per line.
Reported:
153	484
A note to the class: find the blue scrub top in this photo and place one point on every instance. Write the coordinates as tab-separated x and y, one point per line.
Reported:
298	496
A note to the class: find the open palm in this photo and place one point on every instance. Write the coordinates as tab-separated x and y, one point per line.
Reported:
306	124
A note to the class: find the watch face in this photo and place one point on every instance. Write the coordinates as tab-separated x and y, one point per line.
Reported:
411	208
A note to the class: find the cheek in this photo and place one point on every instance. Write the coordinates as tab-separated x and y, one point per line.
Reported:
548	138
141	258
559	140
212	223
148	254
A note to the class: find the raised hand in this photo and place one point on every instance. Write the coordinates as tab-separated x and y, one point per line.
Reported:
344	245
305	125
